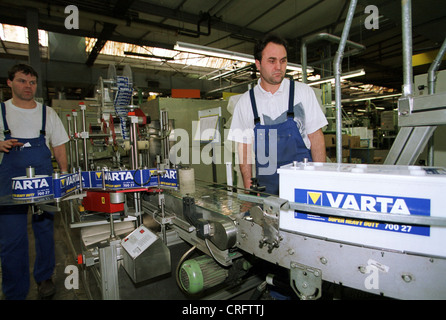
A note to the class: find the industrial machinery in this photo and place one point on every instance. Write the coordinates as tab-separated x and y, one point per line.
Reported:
376	229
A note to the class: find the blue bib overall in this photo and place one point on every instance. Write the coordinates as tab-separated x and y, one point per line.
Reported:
290	145
14	252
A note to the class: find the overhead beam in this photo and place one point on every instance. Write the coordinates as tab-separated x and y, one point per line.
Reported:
120	10
182	16
105	35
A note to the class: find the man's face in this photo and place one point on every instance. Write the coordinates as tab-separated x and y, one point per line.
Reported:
23	86
272	68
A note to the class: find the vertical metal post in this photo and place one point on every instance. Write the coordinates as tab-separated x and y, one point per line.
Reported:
70	143
108	262
163	215
303	55
410	140
406	11
32	24
164	126
84	135
337	71
134	141
135	163
76	144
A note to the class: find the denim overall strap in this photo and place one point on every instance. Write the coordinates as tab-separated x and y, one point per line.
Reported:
6	130
290	112
254	107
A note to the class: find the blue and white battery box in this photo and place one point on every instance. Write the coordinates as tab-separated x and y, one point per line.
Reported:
390	189
24	188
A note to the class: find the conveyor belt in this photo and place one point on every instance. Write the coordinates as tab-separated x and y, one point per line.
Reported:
215	198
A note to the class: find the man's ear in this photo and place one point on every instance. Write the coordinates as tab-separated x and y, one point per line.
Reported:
258	64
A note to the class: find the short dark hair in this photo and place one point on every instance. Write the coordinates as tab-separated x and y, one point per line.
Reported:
270	37
26	69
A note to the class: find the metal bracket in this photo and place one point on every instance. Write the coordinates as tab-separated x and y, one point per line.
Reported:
108	260
268	219
203	226
306	281
272	206
405	106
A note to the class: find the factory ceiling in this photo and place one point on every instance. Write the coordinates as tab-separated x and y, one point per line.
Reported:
235	25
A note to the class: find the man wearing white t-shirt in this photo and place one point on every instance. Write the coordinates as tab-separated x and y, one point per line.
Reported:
28	130
282	121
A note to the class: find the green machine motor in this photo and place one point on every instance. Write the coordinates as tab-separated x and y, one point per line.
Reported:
201	273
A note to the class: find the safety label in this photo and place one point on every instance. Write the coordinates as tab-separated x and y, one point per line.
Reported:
365	202
138	241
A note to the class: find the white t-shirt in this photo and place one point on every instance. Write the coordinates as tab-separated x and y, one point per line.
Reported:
27	123
272	109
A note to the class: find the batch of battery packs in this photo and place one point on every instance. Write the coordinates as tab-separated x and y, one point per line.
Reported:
24	188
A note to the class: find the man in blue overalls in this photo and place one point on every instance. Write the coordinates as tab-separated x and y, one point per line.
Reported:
26	125
281	117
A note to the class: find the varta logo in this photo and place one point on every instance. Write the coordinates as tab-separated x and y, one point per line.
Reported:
365	202
170	174
69	180
118	175
383	204
314	198
29	184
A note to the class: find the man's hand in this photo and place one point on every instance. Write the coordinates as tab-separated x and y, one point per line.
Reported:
5	146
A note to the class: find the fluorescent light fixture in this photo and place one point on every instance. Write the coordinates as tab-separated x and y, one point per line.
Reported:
213	52
379	97
326	80
352	74
226	54
344	76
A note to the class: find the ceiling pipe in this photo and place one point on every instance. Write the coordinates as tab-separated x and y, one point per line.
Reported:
357	48
431	74
337	71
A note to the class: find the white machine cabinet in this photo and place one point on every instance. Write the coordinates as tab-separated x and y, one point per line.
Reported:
389	189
